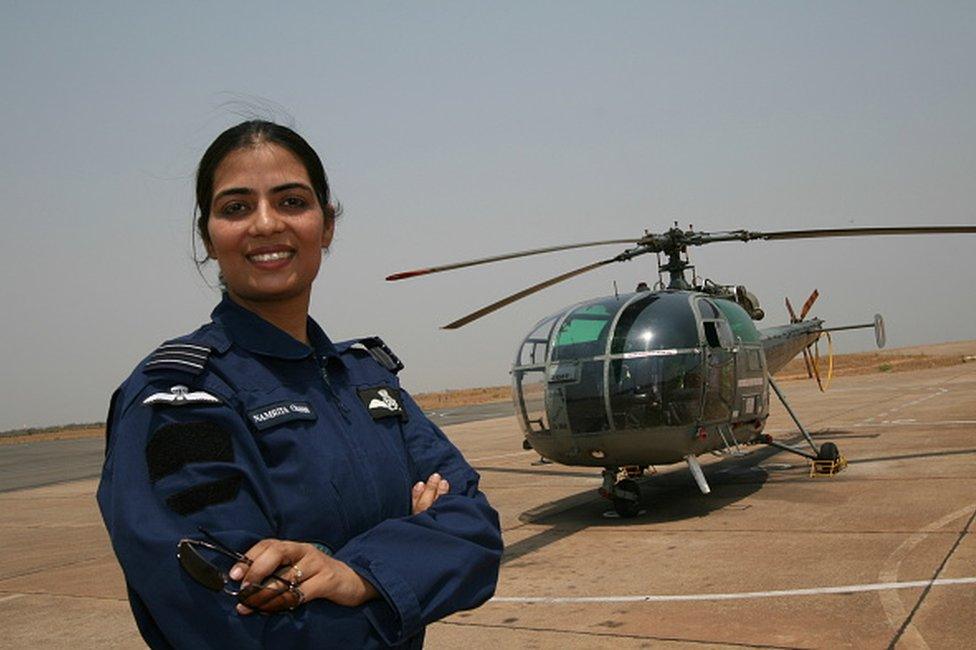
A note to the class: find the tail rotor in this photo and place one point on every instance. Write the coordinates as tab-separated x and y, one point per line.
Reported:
809	360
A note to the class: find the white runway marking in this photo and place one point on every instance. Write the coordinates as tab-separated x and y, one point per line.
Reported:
912	422
894	609
664	598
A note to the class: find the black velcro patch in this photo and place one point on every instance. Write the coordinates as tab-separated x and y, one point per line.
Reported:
382	402
174	445
200	496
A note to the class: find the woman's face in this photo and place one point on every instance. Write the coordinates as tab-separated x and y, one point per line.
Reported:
266	227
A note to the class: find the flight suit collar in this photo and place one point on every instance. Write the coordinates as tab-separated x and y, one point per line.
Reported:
253	333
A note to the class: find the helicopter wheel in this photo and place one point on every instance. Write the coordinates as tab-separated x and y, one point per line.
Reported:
626	498
828	451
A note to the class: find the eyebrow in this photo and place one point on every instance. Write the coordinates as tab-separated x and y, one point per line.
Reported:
274	190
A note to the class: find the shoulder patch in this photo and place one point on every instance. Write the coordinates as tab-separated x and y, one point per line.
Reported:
176	444
382	402
187	357
380	351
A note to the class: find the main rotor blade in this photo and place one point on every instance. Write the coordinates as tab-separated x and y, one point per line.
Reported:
857	232
495	306
507	256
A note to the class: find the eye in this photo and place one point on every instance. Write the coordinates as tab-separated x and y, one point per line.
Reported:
233	208
294	202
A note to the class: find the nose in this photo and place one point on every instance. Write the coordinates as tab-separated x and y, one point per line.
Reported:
266	220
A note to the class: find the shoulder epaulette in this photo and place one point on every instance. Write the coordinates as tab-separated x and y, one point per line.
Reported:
174	355
380	351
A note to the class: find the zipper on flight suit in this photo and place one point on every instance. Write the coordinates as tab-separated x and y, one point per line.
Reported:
343	410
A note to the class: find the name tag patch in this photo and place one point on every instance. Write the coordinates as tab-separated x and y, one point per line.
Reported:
275	414
382	402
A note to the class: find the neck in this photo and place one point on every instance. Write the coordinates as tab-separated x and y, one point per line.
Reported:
290	316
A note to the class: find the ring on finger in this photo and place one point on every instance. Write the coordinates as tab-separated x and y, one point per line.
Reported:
299	594
298	574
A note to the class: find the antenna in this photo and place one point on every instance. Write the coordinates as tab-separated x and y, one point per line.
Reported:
615	294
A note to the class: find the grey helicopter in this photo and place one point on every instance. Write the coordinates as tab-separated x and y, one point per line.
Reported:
666	373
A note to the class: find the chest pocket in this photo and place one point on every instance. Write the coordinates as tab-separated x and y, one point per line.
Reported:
379	416
307	461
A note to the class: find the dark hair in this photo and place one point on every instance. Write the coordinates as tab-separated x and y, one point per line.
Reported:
250	134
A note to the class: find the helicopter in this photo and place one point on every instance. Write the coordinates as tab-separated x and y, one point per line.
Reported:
666	373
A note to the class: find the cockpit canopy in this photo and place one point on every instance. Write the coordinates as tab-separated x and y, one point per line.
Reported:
623	362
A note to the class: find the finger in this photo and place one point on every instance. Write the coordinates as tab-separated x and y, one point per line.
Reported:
238	571
265	597
281	600
430	492
443	488
415	492
273	556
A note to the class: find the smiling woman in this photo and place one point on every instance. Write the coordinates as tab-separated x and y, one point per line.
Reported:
324	497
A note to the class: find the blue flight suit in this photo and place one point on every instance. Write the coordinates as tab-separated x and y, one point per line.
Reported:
245	431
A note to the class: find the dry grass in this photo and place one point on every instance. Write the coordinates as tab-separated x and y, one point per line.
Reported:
867	363
52	433
463	397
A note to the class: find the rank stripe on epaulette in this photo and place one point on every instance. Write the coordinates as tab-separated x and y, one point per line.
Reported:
199	348
179	364
179	356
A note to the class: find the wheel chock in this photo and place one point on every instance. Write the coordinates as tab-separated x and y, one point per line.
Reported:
827	467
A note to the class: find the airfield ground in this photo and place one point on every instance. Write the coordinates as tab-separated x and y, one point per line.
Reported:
881	555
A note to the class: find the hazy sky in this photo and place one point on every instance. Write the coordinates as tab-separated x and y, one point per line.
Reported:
457	130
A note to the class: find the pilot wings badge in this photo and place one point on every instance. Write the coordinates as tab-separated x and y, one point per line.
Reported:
180	396
382	402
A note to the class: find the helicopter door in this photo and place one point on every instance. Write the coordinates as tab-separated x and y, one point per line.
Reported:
719	347
751	383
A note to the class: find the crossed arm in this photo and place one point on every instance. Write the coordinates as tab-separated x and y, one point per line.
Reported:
318	574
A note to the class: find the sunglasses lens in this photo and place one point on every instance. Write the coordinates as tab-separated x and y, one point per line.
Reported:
198	568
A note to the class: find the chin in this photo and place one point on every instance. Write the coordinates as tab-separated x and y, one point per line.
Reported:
272	294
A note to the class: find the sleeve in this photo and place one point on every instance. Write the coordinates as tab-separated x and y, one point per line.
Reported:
168	470
454	547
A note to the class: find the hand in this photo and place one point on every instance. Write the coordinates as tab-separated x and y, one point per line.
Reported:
425	494
317	576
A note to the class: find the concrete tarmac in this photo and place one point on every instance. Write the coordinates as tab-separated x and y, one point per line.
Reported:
882	555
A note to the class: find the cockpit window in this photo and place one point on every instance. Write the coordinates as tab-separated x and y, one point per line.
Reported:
656	322
584	332
536	345
742	324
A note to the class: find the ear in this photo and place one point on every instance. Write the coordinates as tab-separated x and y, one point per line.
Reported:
328	232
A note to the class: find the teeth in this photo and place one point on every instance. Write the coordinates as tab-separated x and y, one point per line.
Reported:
271	257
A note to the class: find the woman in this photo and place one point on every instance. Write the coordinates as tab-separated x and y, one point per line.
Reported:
353	520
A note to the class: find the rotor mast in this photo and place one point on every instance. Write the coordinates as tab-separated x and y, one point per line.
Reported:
672	246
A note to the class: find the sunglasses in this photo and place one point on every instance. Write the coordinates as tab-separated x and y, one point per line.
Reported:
190	553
